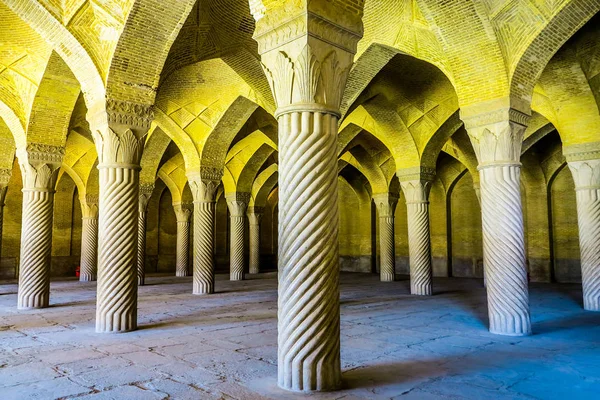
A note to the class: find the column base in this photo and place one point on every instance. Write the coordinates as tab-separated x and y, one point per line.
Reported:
495	332
387	278
87	278
589	305
236	277
181	274
421	291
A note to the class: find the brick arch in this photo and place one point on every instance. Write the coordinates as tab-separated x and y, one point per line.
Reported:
365	164
14	125
155	147
179	137
539	52
263	185
53	104
242	180
69	49
440	137
217	144
7	144
135	69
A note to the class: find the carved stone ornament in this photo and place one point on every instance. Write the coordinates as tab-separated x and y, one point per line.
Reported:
124	150
130	114
582	152
203	189
5	175
312	80
237	203
385	204
497	136
416	173
145	194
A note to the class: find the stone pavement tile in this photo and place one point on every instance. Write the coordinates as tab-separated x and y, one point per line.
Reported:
188	373
445	389
25	373
58	357
125	393
146	358
178	390
238	392
256	339
104	378
44	390
265	353
86	365
118	348
180	350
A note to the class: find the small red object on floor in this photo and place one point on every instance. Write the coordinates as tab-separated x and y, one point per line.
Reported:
77	271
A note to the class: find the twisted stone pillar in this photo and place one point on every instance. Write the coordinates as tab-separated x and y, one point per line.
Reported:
183	213
586	174
89	239
497	138
254	216
204	188
119	145
416	191
237	203
386	207
144	198
307	71
5	175
39	169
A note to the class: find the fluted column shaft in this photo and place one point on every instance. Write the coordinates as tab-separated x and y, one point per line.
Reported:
254	217
497	139
119	143
416	193
586	175
5	175
39	178
89	249
237	203
89	239
182	213
307	70
204	191
145	192
386	207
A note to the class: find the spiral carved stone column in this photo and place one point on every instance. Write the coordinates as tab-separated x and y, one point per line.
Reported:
204	189
416	192
39	169
254	216
586	175
144	196
307	71
183	213
89	239
386	207
5	175
497	139
237	203
119	147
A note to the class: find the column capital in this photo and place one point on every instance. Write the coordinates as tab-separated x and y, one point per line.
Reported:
416	191
586	174
415	174
237	203
120	141
5	175
255	214
146	190
385	203
183	211
39	165
307	50
204	184
89	206
582	152
497	136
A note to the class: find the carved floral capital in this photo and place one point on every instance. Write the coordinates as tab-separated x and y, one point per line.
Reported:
385	204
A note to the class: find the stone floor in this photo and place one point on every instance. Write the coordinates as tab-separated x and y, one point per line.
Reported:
224	346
